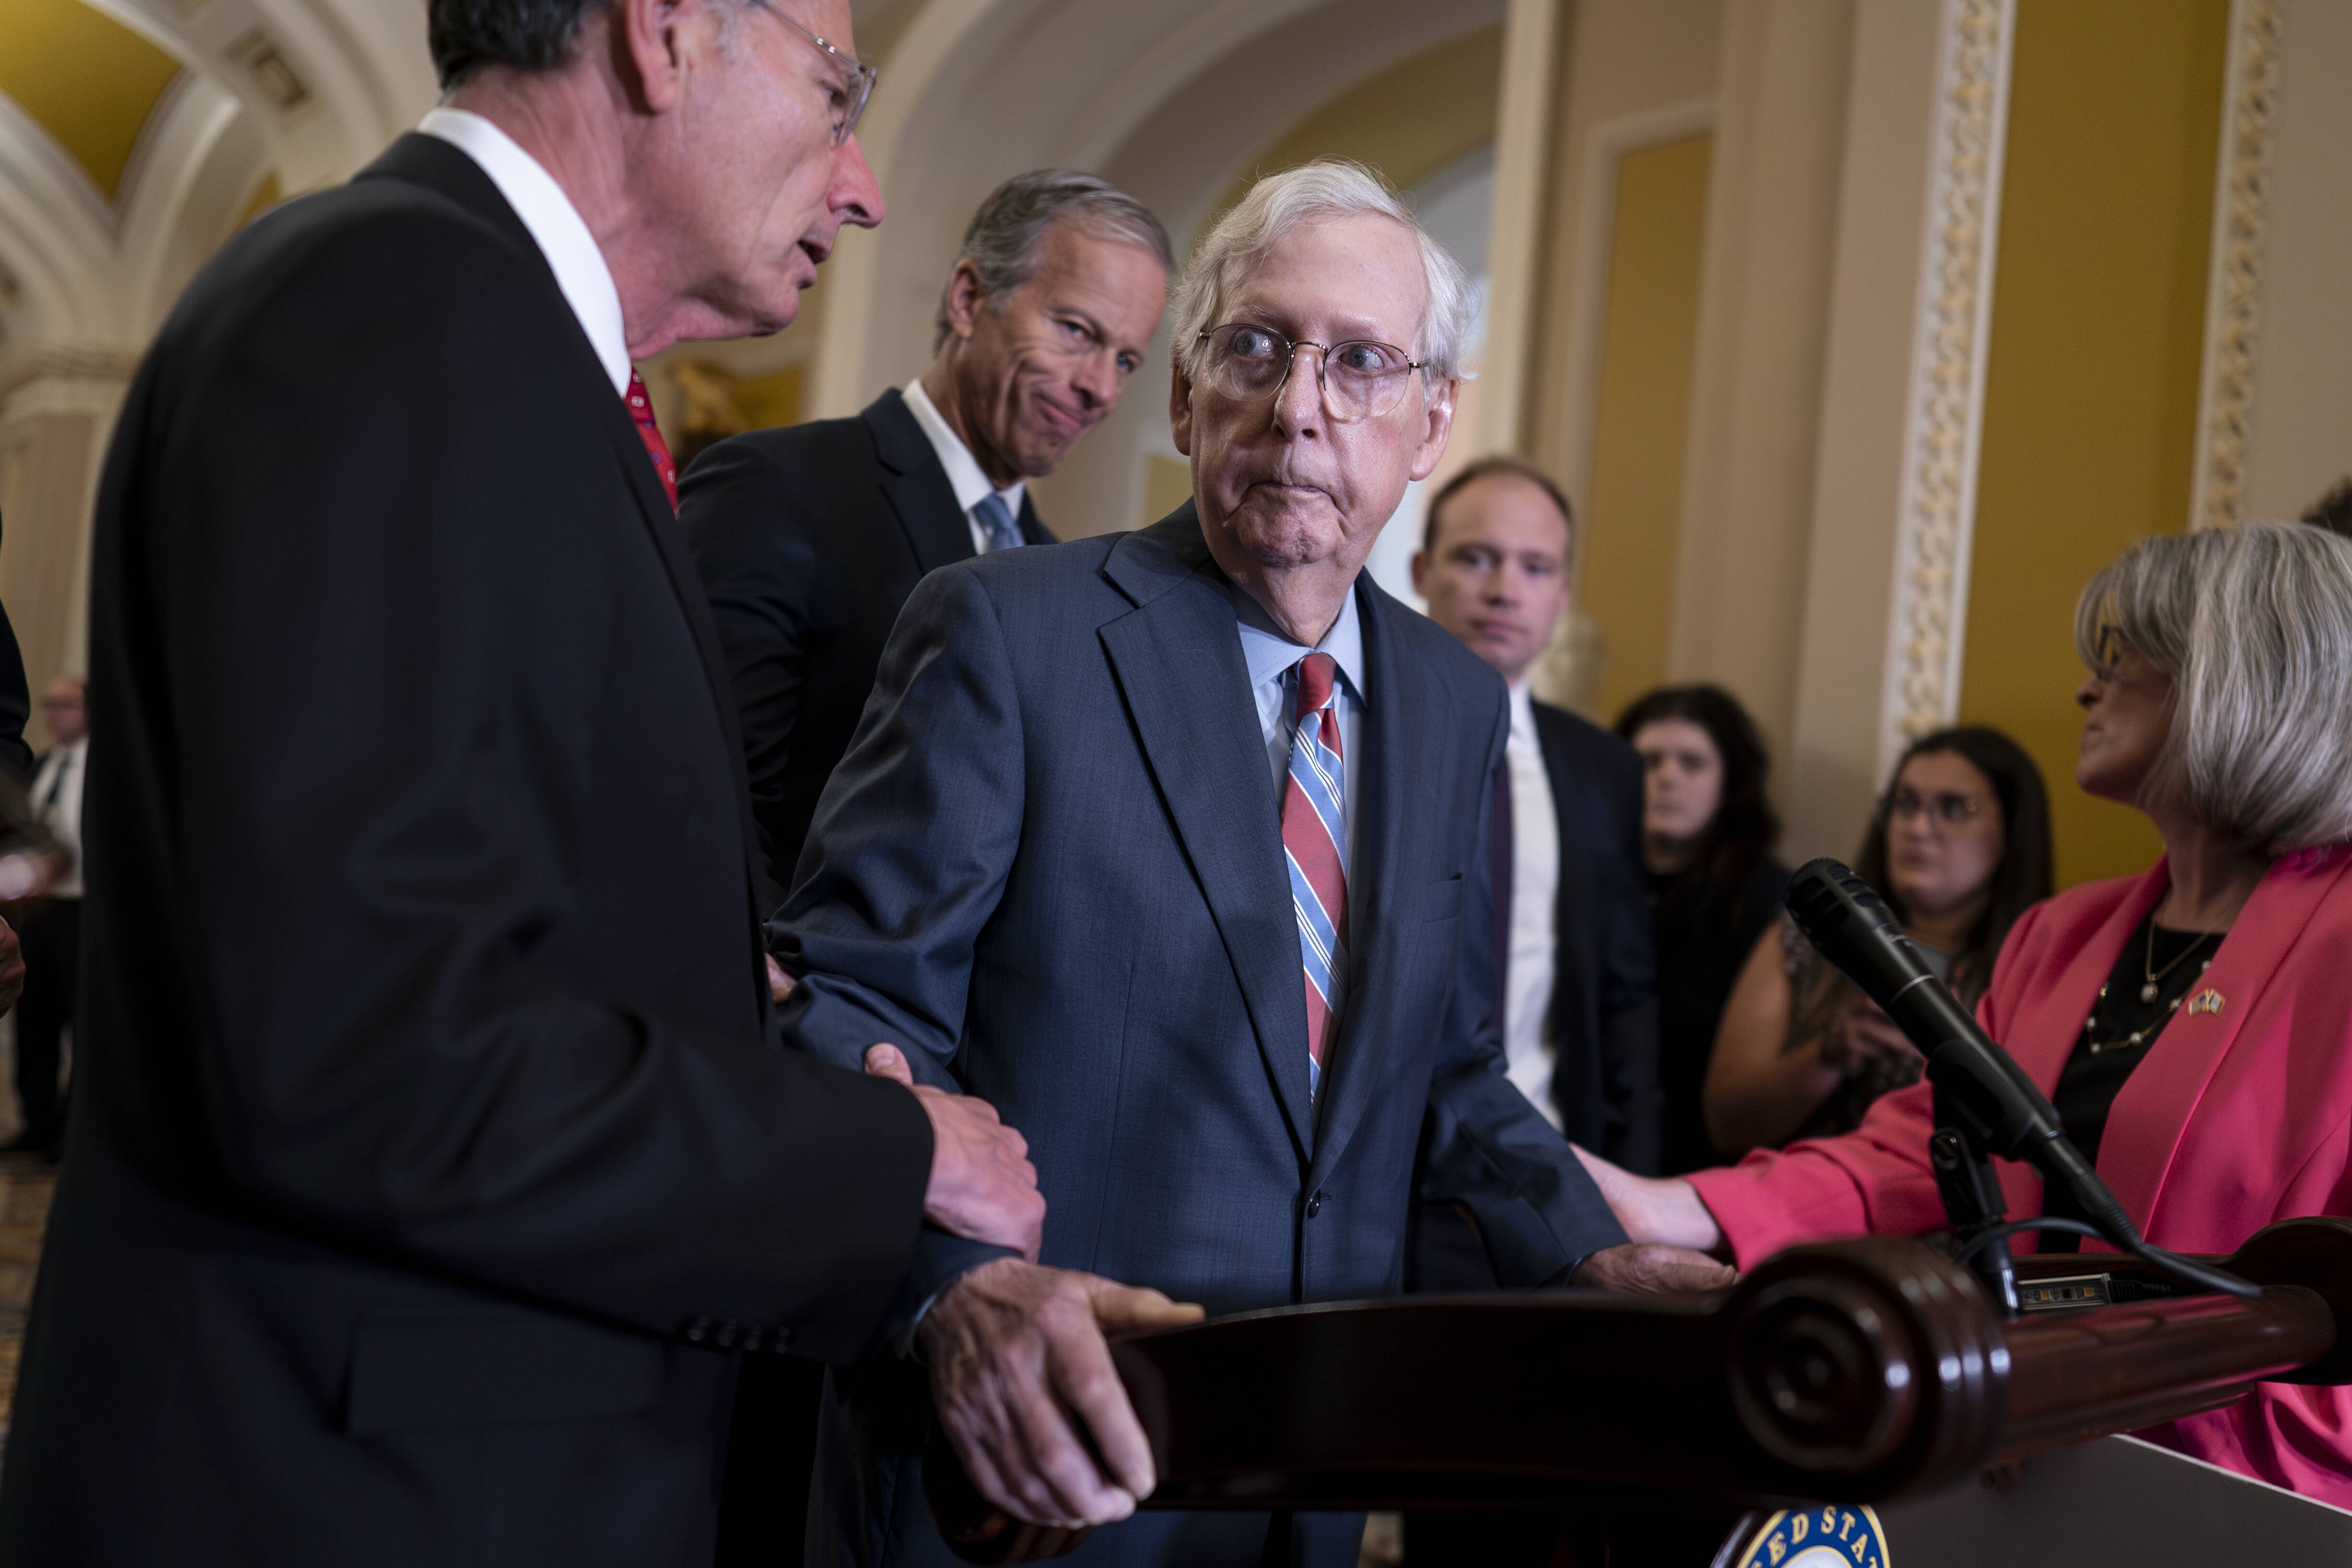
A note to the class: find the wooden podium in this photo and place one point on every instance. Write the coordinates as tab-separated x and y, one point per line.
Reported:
1849	1373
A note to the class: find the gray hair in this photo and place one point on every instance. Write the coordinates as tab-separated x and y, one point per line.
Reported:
2254	626
1005	234
1315	192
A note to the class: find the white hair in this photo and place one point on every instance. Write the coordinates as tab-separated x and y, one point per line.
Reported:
1316	192
2254	625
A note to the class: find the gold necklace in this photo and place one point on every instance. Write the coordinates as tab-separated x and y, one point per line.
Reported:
2153	974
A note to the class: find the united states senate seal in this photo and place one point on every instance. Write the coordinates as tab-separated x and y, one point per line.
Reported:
1824	1537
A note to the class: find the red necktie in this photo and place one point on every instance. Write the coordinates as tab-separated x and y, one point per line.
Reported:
641	409
1313	840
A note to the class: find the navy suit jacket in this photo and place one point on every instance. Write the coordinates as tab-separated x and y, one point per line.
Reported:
1051	867
1604	996
808	539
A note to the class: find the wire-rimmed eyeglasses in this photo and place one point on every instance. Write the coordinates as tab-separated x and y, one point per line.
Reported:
1360	379
847	99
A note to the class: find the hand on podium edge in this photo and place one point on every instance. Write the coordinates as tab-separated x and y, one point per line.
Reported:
982	1186
1644	1268
1016	1352
1664	1211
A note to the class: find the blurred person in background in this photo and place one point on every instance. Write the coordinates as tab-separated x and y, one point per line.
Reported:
50	925
1580	1016
1960	847
2193	1025
1708	832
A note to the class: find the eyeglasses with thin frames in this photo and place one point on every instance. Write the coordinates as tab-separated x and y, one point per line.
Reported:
1359	379
1948	810
848	101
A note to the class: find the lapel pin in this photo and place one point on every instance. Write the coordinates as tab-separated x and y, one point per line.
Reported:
2208	1000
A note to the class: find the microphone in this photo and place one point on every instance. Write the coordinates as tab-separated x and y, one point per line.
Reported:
2004	1110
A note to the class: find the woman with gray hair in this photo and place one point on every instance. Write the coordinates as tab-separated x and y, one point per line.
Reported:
2191	1023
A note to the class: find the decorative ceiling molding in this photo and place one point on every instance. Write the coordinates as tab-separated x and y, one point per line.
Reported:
2233	295
1944	427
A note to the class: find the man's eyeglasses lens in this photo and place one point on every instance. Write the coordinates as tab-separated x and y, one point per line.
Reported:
1951	810
848	100
1360	378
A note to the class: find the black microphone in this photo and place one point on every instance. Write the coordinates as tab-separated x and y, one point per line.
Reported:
1993	1099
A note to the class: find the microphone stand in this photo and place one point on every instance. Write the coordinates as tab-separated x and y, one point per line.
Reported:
1972	1203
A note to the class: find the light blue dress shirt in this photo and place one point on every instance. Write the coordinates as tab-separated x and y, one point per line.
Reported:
1271	656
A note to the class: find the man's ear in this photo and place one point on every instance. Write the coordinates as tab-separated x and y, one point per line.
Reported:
1421	572
1440	426
965	299
646	50
1179	409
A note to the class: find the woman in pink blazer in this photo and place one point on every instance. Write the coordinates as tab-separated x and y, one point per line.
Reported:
2192	1024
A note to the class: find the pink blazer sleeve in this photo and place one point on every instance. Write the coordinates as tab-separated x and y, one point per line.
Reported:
1873	1180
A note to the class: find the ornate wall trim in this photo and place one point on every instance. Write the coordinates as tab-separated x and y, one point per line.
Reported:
2234	295
1943	425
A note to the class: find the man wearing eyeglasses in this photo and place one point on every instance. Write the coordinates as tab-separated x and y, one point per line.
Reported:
1173	845
434	1163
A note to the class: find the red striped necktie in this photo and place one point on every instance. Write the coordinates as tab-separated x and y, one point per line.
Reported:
1314	840
641	409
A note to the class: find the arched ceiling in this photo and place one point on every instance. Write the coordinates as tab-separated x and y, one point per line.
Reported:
84	78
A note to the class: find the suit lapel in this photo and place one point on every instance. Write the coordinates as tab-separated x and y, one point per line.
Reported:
1396	729
435	165
916	486
1178	660
2153	1109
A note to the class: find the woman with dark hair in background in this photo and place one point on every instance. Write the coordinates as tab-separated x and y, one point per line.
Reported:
1708	832
1960	846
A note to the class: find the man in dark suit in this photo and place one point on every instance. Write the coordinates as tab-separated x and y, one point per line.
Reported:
1174	843
809	539
432	1162
1580	1014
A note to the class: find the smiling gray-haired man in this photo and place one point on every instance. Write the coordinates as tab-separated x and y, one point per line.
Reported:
1173	845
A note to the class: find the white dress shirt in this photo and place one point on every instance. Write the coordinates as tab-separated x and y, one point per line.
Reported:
57	800
964	476
1529	1049
562	235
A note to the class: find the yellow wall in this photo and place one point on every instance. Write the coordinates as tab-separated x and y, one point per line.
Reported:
1642	414
2091	371
1408	122
87	80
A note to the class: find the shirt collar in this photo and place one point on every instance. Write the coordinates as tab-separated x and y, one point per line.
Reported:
963	469
1270	651
1523	707
556	226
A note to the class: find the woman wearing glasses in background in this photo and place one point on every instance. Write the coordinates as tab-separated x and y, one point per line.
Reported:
2192	1024
1960	847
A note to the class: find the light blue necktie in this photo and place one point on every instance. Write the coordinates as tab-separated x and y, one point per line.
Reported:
996	522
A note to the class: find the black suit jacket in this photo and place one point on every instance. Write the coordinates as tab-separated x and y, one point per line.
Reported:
1605	1000
430	1135
809	539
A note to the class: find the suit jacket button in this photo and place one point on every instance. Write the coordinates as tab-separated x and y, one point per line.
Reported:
697	1331
725	1338
1314	1205
779	1339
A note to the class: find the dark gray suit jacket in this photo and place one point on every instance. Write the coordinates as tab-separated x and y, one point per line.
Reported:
808	539
1051	866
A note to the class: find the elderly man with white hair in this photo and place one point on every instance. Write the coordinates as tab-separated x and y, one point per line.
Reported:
1171	844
